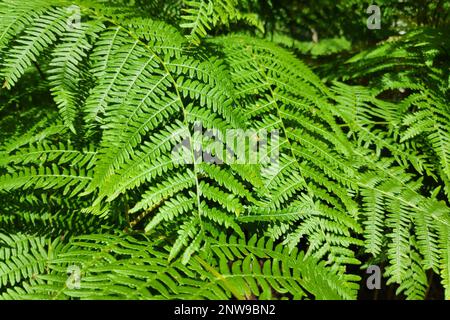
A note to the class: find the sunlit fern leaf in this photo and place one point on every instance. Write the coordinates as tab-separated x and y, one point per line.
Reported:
43	32
17	16
199	17
263	69
415	282
23	258
444	243
132	139
65	74
123	267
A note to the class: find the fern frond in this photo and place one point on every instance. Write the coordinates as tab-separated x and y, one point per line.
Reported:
22	259
43	32
123	267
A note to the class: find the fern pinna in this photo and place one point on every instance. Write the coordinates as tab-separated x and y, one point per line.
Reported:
104	93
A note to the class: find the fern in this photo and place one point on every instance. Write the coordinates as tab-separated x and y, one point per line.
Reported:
22	259
118	266
199	17
115	165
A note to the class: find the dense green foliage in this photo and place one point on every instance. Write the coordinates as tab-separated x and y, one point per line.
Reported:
96	94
